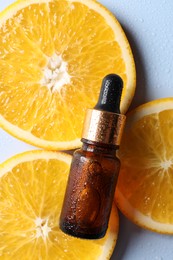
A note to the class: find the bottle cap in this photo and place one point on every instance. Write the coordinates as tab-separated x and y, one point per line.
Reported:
104	124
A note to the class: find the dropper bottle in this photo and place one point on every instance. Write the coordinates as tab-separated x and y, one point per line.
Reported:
95	167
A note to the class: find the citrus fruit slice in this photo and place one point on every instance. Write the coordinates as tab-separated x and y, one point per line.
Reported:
32	187
53	57
145	185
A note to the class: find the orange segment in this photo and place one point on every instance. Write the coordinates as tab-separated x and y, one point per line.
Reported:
145	185
32	187
53	58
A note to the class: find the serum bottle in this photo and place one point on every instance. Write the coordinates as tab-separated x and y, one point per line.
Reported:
95	167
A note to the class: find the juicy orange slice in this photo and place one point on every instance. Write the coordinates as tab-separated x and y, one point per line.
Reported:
144	191
53	57
32	187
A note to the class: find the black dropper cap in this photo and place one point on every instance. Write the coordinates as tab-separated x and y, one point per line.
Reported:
110	94
104	123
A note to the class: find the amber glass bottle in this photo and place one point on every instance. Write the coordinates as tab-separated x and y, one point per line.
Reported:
95	167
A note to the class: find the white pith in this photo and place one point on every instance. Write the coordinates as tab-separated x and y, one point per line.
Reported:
55	74
42	228
166	164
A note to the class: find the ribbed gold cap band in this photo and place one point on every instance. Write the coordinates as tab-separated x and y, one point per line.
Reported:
103	127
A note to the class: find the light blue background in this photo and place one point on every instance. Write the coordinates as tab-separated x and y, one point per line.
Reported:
149	28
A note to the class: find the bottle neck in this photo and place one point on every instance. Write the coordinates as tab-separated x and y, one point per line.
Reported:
95	147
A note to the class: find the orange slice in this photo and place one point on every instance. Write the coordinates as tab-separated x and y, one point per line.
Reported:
145	185
32	187
53	57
